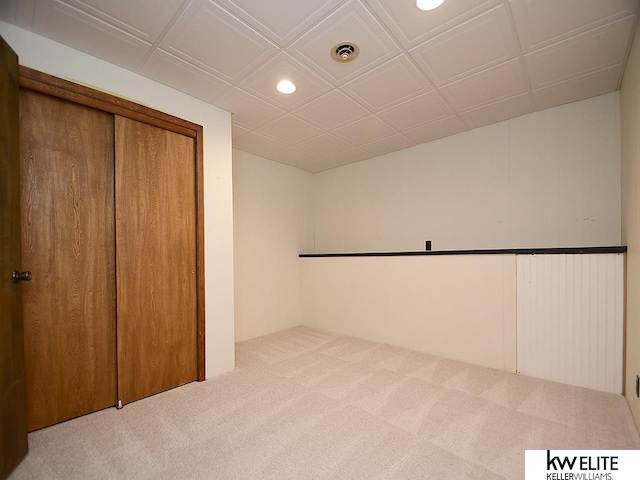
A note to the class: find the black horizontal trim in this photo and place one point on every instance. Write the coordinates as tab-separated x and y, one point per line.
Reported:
500	251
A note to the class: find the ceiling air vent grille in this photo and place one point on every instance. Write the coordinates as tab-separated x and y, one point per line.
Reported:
345	52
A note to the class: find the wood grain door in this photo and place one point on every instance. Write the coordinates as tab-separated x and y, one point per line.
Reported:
13	424
156	259
67	170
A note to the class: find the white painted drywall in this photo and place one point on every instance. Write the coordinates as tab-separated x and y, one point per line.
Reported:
273	222
630	141
460	307
53	58
547	179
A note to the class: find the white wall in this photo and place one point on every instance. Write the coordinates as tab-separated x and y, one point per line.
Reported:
273	223
53	58
630	140
461	307
547	179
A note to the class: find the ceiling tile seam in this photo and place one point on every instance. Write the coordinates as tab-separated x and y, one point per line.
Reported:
241	22
170	24
576	75
488	6
257	126
352	76
191	65
329	154
395	131
105	26
383	24
286	47
584	34
110	20
403	51
296	37
240	84
294	144
364	145
573	79
581	30
518	44
257	131
28	25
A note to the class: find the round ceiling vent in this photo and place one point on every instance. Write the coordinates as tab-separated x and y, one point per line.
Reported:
345	52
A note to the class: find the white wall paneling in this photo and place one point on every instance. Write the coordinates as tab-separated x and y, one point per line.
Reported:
547	179
273	222
570	319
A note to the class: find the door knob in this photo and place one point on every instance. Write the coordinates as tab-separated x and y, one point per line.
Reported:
24	276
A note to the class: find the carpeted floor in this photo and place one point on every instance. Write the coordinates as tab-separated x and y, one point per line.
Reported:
306	404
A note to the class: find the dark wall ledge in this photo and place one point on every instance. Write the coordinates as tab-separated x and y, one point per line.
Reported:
502	251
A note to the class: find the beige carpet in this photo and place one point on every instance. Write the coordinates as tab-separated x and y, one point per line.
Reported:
306	404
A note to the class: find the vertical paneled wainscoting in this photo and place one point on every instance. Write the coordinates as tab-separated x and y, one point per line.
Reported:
570	315
556	314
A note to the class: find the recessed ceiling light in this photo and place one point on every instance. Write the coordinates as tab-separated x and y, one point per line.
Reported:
286	86
428	4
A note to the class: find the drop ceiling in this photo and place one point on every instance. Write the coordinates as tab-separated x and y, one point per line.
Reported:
419	75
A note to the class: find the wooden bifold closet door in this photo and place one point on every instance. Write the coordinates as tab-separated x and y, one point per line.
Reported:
112	233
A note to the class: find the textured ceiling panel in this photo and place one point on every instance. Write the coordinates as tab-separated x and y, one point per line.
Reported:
214	40
283	20
419	75
350	23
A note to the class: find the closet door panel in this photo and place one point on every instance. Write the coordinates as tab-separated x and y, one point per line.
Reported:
67	215
156	259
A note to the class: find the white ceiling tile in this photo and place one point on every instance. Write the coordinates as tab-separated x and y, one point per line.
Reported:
290	130
337	160
476	45
248	110
237	131
542	22
411	25
597	49
334	161
176	73
350	23
499	111
292	156
18	12
464	68
257	144
263	82
395	81
283	20
426	108
132	17
497	83
388	144
70	26
586	86
439	129
364	131
212	39
325	144
331	111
